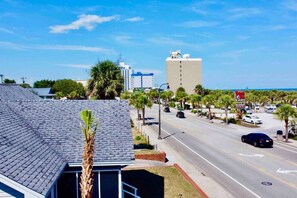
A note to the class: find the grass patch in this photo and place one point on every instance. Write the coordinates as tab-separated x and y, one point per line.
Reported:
140	141
163	181
146	151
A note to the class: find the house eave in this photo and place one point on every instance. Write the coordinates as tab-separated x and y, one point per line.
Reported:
19	187
124	163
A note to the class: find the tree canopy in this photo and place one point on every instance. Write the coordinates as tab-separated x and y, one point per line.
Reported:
69	88
106	81
43	83
8	81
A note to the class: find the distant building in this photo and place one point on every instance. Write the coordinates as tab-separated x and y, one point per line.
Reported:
45	93
183	71
126	73
83	82
140	80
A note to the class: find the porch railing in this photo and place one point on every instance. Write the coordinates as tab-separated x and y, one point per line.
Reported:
130	190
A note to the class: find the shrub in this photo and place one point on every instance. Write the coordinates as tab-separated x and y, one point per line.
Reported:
232	111
194	111
138	138
230	120
171	104
295	138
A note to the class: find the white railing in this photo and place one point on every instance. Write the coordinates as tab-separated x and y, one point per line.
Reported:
134	193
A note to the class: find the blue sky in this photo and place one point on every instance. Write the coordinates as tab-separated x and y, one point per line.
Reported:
242	43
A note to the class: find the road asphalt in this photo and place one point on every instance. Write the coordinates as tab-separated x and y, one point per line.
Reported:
208	185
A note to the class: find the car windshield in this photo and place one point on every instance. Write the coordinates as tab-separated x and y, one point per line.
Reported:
255	117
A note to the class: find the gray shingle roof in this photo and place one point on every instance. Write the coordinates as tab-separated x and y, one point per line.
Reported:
24	156
16	92
41	136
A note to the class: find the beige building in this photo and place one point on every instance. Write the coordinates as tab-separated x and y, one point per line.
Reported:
183	71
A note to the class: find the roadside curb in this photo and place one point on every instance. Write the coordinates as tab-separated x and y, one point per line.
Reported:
190	180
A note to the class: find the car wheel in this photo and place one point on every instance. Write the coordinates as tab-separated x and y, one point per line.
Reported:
252	121
242	139
255	144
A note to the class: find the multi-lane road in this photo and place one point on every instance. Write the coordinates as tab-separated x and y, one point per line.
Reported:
215	148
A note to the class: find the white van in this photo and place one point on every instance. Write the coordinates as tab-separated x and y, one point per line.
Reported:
270	109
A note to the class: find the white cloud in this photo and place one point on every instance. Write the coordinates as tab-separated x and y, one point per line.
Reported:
122	39
88	22
134	19
200	24
6	31
81	66
291	5
16	46
238	13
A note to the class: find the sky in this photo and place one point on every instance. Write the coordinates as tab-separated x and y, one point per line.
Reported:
242	43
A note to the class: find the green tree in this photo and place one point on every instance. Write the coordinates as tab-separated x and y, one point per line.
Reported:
89	128
106	81
9	81
66	86
195	100
226	101
141	101
153	95
199	90
181	96
284	113
208	101
43	83
167	96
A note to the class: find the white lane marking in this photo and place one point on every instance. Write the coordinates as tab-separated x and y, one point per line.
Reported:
251	155
286	171
285	148
210	163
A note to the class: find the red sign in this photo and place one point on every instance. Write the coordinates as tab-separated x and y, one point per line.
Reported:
239	96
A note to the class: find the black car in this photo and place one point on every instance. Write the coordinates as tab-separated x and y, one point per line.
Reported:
257	139
180	114
167	109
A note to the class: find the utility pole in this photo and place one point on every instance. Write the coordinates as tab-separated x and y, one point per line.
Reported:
23	79
1	76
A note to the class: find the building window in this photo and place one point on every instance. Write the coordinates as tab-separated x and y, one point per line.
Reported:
180	66
180	70
181	84
180	79
180	75
180	62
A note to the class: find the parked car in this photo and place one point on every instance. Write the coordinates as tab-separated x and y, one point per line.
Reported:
257	107
293	105
257	139
167	109
180	114
270	110
252	119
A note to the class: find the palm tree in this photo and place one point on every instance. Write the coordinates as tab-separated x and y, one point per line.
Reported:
226	101
199	89
167	96
195	99
181	96
106	81
143	101
89	130
284	113
208	100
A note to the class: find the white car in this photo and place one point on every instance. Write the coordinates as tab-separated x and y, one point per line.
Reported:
252	119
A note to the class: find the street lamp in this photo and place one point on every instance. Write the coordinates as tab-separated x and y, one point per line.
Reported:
159	136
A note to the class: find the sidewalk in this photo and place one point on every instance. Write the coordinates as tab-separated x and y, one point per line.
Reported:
209	186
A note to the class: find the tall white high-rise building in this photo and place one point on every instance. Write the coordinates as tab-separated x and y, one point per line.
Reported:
126	73
140	80
183	71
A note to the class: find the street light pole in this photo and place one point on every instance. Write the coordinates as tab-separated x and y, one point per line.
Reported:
159	136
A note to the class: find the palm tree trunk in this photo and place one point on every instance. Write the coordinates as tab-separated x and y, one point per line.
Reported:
209	113
286	126
138	114
226	112
86	184
143	118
